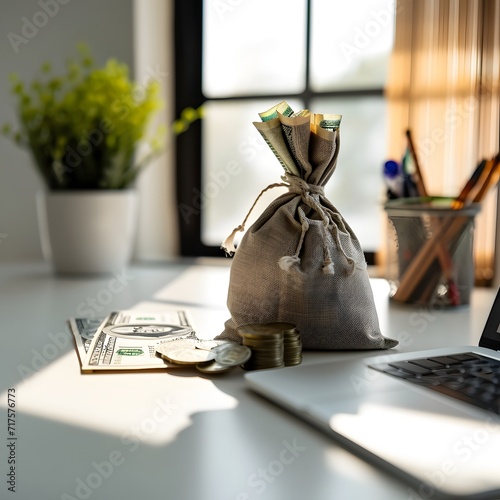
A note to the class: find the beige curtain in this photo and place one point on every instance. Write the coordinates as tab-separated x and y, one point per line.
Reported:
444	86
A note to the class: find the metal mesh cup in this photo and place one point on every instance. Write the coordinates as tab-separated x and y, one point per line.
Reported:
430	251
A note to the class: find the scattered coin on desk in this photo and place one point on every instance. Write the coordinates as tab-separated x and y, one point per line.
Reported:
270	345
163	348
213	367
208	356
232	354
189	356
227	355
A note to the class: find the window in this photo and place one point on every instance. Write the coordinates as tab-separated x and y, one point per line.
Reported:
235	59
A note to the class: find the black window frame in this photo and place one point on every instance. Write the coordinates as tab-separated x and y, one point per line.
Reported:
188	61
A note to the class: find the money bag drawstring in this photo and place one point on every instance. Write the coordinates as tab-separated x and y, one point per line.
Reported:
329	227
299	186
288	261
228	243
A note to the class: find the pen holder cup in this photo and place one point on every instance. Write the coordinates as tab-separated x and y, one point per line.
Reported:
430	251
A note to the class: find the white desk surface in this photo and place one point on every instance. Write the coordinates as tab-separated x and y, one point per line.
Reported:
180	435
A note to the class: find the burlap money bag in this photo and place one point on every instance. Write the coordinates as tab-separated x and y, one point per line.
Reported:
301	263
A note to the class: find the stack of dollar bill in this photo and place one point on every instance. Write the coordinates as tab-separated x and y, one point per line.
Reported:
275	128
273	345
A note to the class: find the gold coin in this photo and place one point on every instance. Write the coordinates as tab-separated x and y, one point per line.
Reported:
286	328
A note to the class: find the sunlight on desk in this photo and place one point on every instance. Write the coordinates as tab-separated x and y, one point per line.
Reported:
350	468
405	436
205	286
149	407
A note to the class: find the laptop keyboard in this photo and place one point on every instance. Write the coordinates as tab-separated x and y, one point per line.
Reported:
468	377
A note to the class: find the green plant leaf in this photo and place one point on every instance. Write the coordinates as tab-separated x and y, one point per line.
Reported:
84	127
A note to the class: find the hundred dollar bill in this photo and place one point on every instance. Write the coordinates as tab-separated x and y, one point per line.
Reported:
296	132
83	330
325	124
127	340
282	108
329	122
302	112
273	135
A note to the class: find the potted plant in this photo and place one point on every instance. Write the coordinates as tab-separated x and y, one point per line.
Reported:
84	131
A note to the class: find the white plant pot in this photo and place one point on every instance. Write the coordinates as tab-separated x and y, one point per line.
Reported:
87	231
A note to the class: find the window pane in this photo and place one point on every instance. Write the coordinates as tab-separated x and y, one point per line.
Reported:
253	48
236	166
350	43
356	188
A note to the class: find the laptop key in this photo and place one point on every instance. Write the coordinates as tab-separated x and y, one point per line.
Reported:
486	396
476	362
464	357
454	384
391	371
445	360
426	363
410	368
471	390
450	372
469	377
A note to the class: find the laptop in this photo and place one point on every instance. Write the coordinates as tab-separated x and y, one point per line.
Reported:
430	417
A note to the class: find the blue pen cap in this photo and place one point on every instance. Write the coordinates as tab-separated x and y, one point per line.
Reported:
391	168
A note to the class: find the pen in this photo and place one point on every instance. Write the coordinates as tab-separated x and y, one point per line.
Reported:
491	174
419	181
443	254
410	188
445	233
469	186
393	179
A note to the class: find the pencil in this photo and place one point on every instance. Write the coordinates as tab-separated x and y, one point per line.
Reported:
444	256
446	233
422	191
469	186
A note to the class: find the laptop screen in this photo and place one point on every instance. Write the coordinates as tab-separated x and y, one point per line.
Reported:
491	333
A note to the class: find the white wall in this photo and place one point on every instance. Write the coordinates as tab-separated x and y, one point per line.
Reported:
157	237
107	27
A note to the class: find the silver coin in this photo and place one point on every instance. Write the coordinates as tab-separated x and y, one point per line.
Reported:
188	355
232	355
213	367
213	345
165	347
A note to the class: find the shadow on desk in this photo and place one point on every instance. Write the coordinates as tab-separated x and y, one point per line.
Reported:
251	450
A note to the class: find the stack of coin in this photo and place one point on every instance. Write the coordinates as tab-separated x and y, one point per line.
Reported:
273	345
292	352
266	345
